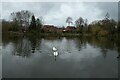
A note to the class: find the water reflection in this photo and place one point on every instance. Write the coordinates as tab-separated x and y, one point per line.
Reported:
118	47
118	53
23	48
55	53
104	51
61	57
33	42
26	46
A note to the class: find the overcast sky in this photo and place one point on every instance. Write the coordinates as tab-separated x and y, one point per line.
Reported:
57	12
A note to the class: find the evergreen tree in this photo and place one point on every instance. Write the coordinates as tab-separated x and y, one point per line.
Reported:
33	23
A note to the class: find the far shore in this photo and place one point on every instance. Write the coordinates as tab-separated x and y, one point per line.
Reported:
56	34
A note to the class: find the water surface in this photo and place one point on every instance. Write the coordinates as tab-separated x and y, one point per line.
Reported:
84	57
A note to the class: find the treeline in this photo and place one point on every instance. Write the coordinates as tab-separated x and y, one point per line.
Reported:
22	21
102	27
25	21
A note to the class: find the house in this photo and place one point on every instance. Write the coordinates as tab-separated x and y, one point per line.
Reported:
60	30
55	29
49	28
70	28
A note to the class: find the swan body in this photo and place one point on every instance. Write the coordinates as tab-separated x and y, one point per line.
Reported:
54	49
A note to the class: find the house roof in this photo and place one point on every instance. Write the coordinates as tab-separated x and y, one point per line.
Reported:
71	27
68	28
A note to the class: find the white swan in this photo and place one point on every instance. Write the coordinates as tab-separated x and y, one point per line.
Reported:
54	49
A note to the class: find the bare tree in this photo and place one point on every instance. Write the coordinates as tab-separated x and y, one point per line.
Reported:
107	16
69	20
22	18
86	22
79	22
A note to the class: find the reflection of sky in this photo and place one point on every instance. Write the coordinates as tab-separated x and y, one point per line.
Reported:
67	50
70	62
87	53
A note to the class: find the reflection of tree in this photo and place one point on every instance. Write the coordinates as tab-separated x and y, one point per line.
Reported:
10	38
23	48
104	43
68	46
52	38
104	52
26	46
118	47
33	42
101	42
80	43
118	53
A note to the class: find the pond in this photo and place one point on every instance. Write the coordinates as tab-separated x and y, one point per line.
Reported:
78	57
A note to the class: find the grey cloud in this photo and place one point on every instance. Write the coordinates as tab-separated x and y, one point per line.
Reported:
110	7
119	11
56	12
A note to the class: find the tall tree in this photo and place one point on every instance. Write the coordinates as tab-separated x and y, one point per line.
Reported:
33	23
22	18
109	24
39	24
85	22
79	23
107	16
